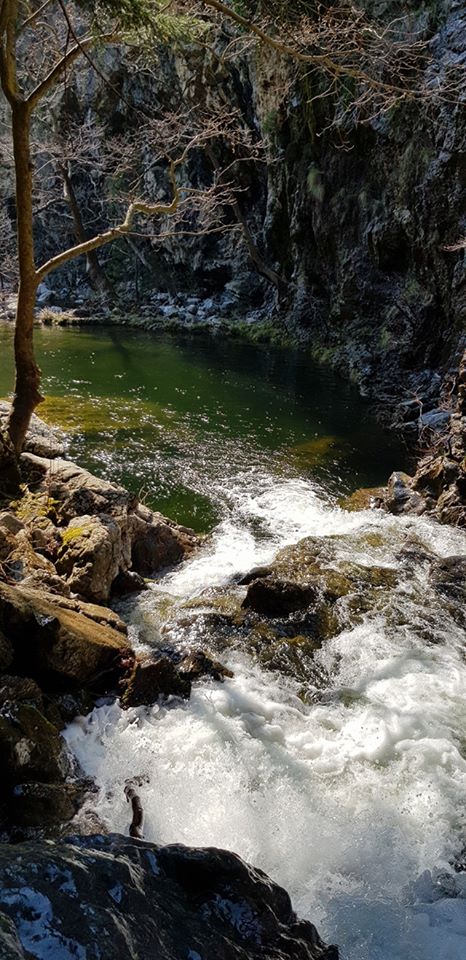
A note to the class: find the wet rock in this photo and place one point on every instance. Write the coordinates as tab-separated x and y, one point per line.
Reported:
151	679
128	581
400	496
113	896
72	705
57	640
366	498
278	598
254	574
45	805
30	746
448	576
20	690
198	664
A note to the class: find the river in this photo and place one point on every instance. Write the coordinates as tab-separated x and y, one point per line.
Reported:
349	792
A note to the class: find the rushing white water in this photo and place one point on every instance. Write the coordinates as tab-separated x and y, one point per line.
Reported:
355	801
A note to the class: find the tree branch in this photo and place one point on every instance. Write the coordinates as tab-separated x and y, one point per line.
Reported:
322	60
34	16
138	206
80	48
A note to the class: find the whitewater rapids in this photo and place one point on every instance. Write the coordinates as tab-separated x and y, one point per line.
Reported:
355	800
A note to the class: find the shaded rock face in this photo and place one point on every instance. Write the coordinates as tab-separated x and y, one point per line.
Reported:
58	640
164	677
438	488
356	234
116	897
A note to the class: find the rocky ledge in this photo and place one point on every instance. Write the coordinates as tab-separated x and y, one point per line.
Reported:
110	896
69	543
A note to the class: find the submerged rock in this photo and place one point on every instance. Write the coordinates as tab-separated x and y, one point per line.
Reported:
198	664
111	896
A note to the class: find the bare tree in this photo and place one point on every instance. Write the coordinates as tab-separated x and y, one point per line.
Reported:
63	43
379	65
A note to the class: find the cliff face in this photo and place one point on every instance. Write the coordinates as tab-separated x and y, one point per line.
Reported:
352	215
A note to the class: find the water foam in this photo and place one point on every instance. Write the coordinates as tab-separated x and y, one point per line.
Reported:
355	801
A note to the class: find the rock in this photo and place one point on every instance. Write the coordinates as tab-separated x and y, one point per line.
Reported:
60	640
41	440
30	746
11	523
152	679
116	897
157	542
278	598
6	653
43	295
128	581
72	705
20	690
436	419
45	805
7	543
76	492
104	528
449	577
400	497
366	498
93	551
198	664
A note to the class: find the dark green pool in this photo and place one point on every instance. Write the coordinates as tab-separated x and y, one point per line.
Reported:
182	421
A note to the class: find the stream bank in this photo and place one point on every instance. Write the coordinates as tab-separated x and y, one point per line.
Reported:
340	636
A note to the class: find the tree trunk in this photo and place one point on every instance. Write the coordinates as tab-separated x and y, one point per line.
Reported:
97	276
27	395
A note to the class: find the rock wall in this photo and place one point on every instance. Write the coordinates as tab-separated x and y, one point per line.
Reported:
352	215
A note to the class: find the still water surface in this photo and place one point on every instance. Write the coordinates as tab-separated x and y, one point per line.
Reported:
179	419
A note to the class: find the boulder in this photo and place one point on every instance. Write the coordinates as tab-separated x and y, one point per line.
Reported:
75	491
30	746
278	598
58	640
198	664
151	679
157	542
113	896
45	806
104	529
20	690
401	498
41	440
94	550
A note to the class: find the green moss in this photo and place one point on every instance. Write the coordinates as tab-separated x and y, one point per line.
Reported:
31	506
73	533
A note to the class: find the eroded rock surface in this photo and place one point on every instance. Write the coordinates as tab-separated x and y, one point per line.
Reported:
113	897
